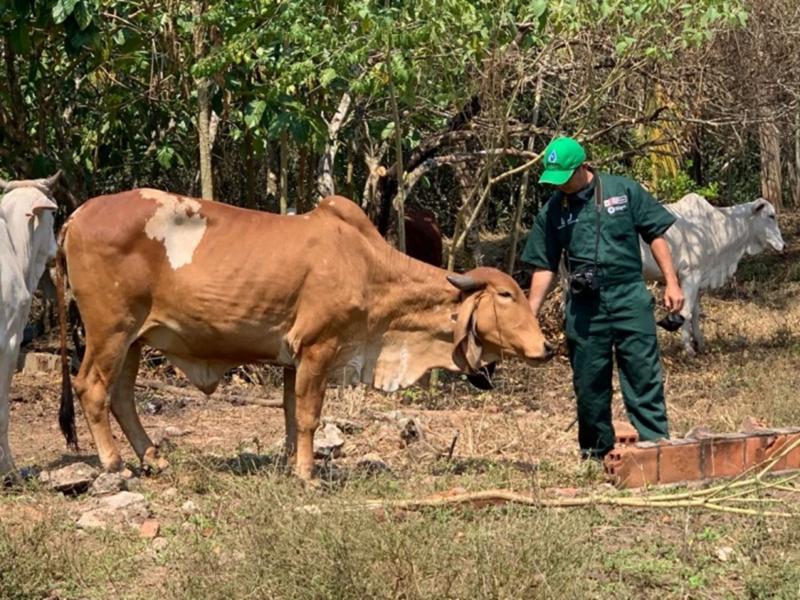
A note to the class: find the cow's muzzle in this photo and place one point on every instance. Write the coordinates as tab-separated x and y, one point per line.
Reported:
549	352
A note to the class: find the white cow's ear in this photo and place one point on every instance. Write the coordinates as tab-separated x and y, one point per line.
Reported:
40	204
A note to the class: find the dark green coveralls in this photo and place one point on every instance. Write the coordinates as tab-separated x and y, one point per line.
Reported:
619	316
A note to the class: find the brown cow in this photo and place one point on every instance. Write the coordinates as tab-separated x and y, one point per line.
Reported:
423	236
213	286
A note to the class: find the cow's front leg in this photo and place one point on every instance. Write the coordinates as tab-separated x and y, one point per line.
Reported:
6	371
311	379
6	462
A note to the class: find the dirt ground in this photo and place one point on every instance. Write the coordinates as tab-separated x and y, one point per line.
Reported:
517	436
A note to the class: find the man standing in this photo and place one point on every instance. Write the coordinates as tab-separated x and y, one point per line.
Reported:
595	220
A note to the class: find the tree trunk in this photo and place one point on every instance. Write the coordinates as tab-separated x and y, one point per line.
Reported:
302	175
284	174
17	124
249	170
796	167
400	199
523	189
325	183
770	143
203	107
697	156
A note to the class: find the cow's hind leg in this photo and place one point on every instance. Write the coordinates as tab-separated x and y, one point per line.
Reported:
289	415
690	312
697	334
124	409
98	373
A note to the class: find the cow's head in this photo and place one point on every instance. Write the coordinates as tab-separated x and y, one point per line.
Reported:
766	231
494	320
27	207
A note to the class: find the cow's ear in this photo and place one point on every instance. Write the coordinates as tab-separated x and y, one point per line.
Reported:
467	349
40	204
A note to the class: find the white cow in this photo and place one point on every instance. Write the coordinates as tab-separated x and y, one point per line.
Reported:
707	244
27	244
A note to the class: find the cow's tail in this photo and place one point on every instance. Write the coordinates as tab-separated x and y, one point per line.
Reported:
66	411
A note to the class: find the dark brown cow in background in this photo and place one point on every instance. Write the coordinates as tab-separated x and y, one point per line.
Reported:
423	236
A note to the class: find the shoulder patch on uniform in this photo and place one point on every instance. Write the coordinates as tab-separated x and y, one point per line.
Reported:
615	201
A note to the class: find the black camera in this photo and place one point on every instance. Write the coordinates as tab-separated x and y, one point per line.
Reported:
584	281
672	322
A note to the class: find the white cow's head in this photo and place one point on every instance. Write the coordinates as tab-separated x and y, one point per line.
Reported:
28	208
765	230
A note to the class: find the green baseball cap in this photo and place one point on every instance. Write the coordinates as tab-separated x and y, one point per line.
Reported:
561	157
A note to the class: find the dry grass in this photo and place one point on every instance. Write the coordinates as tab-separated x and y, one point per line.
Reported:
248	540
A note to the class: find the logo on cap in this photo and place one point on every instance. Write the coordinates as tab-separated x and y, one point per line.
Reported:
552	157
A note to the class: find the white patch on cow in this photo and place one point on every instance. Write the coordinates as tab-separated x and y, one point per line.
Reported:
177	223
397	377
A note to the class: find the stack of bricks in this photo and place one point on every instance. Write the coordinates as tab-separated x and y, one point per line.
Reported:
635	464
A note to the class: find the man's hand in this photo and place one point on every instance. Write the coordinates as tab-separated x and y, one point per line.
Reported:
673	294
541	281
673	297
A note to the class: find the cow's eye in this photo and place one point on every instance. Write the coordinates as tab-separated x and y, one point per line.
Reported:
772	217
506	294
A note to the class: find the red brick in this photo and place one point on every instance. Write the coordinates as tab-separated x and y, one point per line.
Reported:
680	460
632	467
783	440
149	529
793	458
755	449
625	434
778	443
726	456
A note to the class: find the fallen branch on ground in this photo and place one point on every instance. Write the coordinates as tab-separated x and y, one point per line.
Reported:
192	393
750	490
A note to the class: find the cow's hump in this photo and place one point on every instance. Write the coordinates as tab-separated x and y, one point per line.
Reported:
349	212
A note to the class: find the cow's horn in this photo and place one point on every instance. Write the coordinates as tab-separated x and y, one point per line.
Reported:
50	181
465	283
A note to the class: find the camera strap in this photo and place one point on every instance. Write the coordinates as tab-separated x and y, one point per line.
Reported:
598	206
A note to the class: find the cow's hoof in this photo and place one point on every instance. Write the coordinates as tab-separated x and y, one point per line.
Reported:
287	462
10	479
114	465
311	484
152	463
304	473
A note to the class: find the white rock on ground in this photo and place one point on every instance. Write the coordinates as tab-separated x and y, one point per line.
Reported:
123	508
328	441
72	479
108	483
